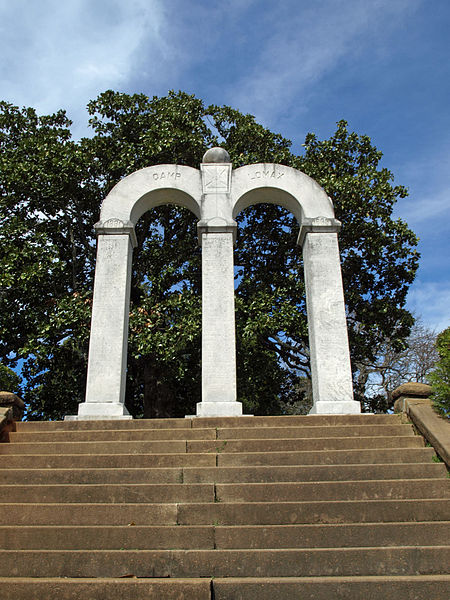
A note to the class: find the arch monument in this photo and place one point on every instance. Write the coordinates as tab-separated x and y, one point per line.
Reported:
216	194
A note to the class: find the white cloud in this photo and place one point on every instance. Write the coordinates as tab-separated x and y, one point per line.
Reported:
306	42
62	54
428	212
431	301
428	206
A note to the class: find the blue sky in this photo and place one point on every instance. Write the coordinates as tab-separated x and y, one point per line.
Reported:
298	66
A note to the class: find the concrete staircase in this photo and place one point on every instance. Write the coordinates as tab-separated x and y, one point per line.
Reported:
318	507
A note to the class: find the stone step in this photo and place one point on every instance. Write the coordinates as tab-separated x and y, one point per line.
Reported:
328	443
258	474
216	446
112	435
254	507
332	535
223	537
208	422
293	420
318	431
303	431
344	511
296	458
128	425
89	514
279	473
326	490
101	460
315	562
222	513
412	587
129	588
326	457
227	492
112	447
106	537
114	494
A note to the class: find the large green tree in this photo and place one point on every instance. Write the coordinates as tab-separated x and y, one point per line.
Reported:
51	188
440	377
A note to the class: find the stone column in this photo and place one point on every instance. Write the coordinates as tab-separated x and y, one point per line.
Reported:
217	231
105	389
328	340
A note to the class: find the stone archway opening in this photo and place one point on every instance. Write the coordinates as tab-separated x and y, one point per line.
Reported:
162	319
268	290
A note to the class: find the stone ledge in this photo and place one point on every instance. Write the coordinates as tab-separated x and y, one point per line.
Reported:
435	429
6	422
10	400
412	389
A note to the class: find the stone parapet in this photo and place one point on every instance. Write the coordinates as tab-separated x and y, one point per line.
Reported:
413	400
10	400
6	423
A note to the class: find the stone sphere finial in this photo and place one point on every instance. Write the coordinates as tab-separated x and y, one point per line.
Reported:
216	155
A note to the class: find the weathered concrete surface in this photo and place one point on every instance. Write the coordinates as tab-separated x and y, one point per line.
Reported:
412	399
102	447
326	457
331	535
273	474
284	513
6	423
138	493
415	587
227	563
412	389
139	537
277	184
10	400
105	387
105	461
331	490
143	435
216	196
218	329
327	326
280	445
213	422
316	431
88	514
353	518
245	474
129	588
434	428
41	426
412	587
296	420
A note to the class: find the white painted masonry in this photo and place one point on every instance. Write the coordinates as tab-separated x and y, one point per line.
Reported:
216	194
218	329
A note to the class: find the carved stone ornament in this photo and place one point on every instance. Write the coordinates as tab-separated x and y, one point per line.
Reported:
116	226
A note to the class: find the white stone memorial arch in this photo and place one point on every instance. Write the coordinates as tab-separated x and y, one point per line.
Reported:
216	194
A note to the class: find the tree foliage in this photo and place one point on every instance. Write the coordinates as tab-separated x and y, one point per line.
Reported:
440	377
9	381
51	188
393	366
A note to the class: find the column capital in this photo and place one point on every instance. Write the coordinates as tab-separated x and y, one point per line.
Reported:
117	227
317	225
216	225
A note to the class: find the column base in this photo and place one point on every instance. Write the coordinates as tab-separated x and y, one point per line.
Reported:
219	409
99	411
346	407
